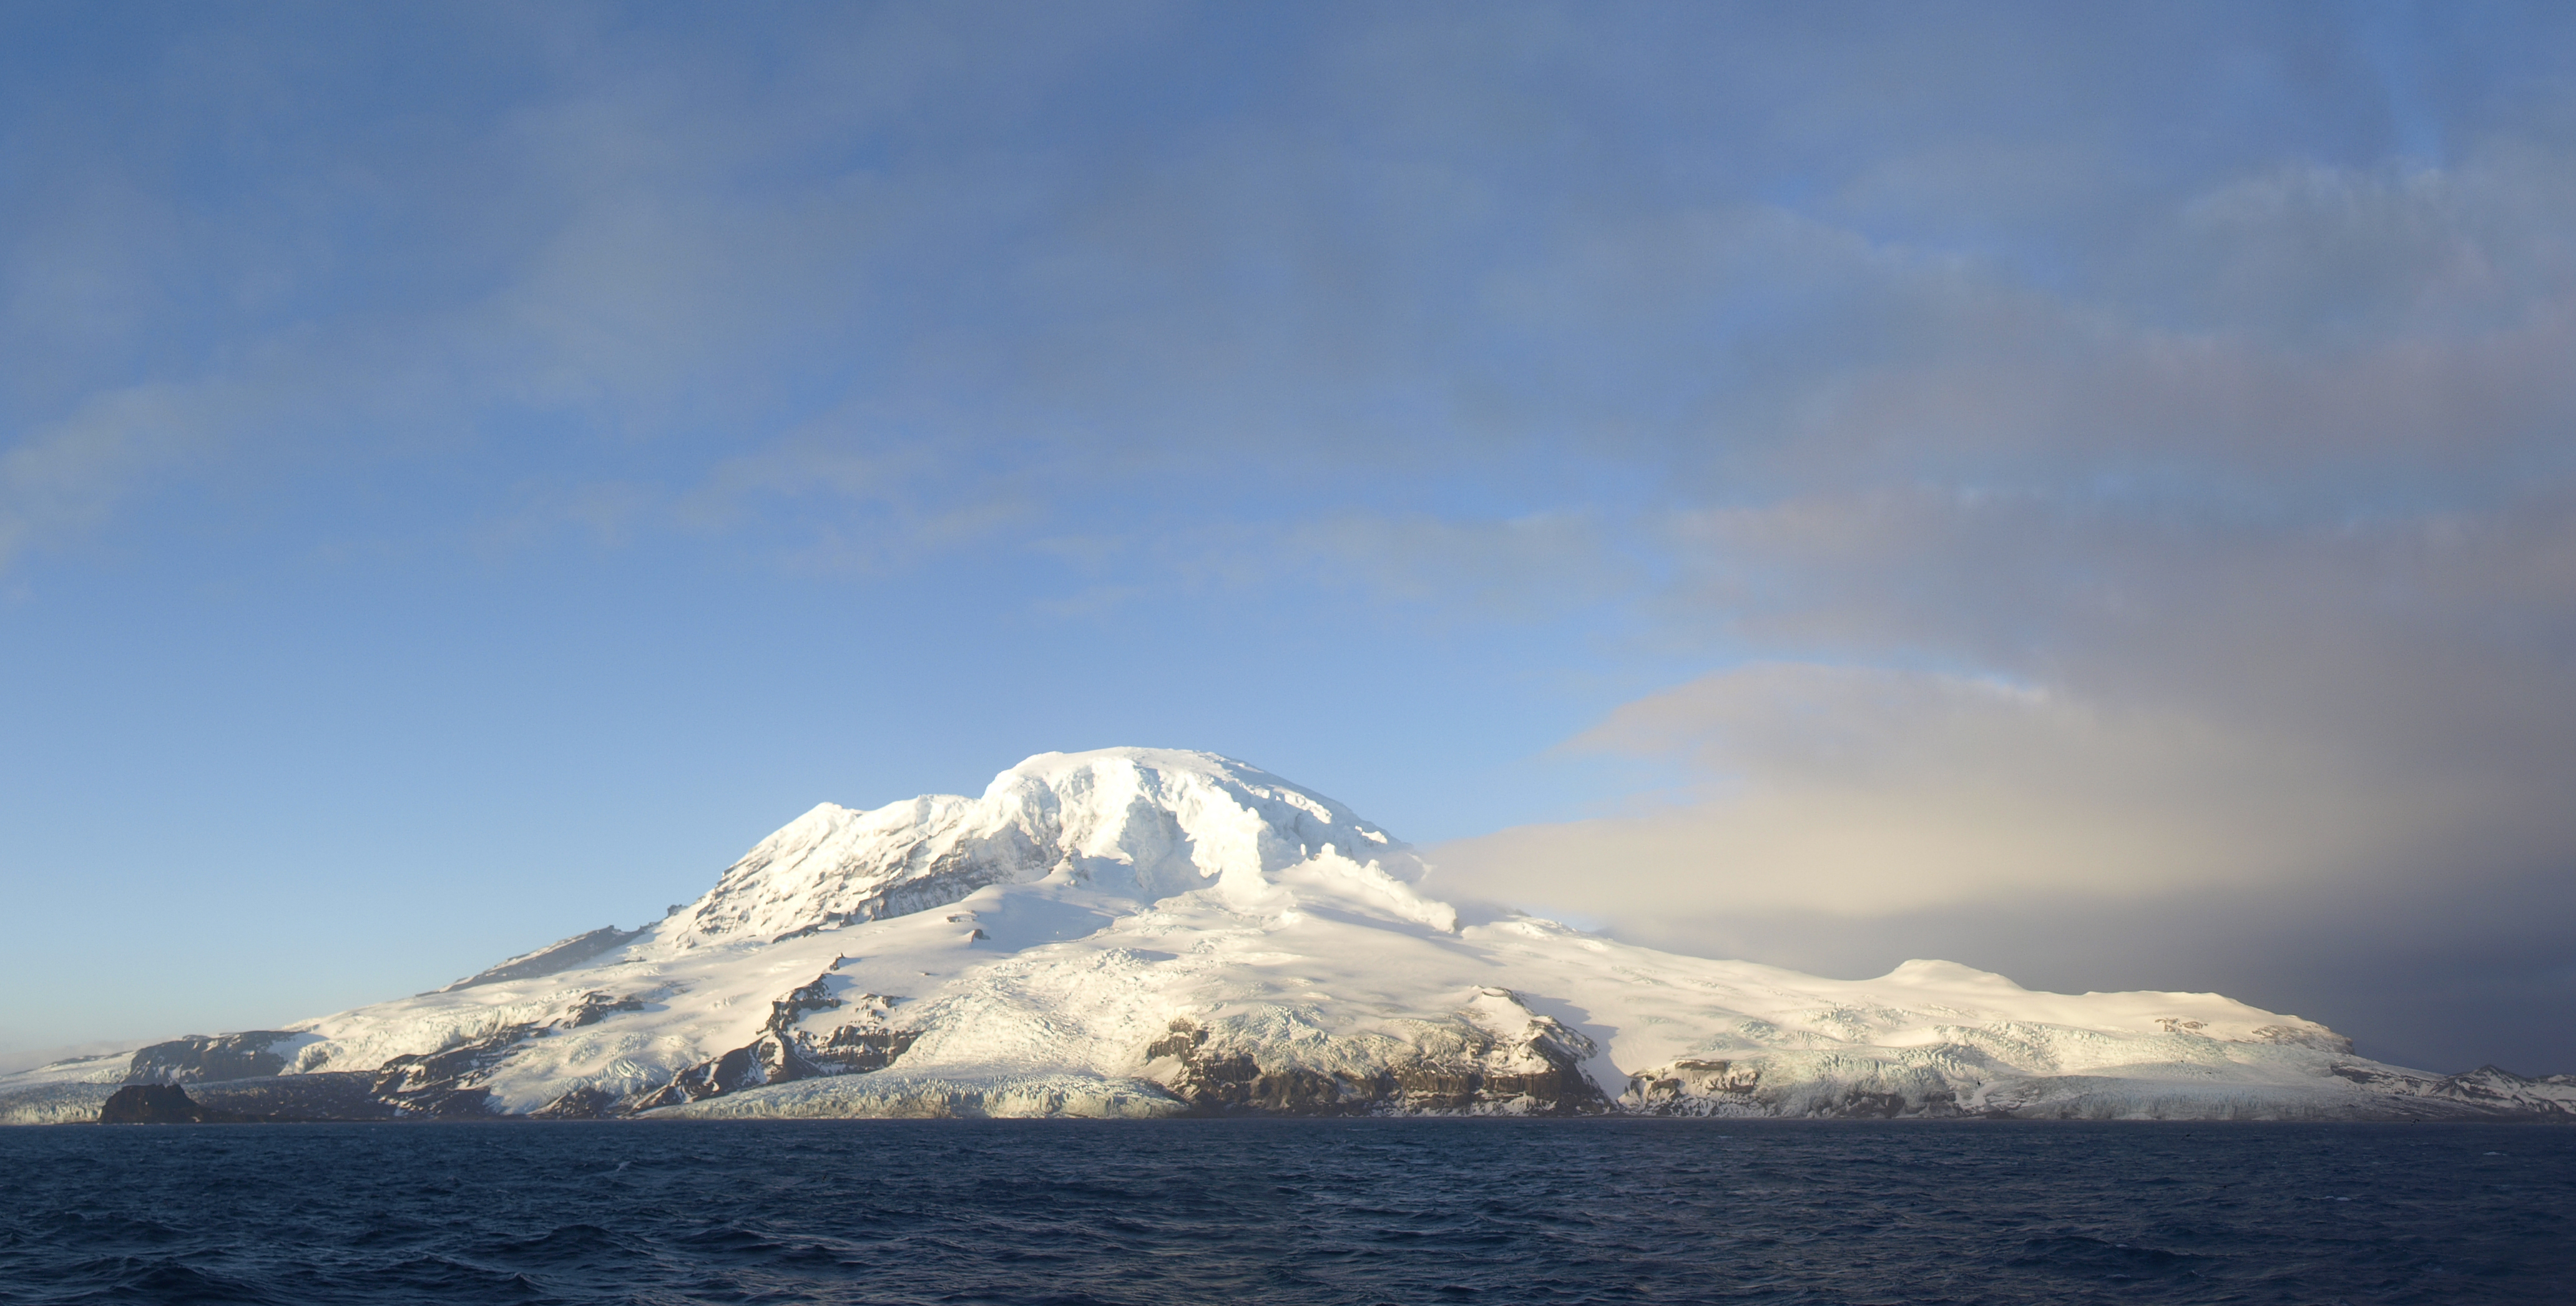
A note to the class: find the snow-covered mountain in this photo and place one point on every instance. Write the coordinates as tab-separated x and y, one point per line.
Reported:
1138	932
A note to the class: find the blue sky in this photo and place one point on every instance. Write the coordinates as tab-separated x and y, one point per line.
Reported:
2084	491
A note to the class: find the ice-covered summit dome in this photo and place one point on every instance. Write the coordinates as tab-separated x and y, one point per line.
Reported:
1137	823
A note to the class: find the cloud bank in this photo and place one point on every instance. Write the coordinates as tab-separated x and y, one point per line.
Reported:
2232	653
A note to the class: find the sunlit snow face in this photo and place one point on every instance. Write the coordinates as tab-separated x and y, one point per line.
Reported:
1136	825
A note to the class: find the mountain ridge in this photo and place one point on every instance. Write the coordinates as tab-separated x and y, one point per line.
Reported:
1136	932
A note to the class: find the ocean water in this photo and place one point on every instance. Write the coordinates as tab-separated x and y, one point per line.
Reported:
1288	1211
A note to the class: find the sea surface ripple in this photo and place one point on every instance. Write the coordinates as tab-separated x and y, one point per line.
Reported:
1288	1211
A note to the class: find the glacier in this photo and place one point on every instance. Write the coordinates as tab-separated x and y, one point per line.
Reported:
1139	932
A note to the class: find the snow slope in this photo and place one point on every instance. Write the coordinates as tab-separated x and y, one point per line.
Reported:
1137	932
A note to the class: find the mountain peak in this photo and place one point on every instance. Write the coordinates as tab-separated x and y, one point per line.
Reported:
1139	824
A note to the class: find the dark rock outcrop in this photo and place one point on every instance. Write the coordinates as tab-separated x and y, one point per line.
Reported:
1221	1081
447	1082
715	1077
322	1095
1696	1086
160	1104
856	1051
1693	1082
596	1006
582	1104
783	1053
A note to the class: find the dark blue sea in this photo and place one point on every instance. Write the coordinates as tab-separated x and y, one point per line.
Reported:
1260	1211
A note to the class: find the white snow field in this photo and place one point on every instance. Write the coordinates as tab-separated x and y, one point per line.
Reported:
1139	932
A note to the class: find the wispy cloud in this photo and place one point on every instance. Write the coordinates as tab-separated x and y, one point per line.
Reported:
71	475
